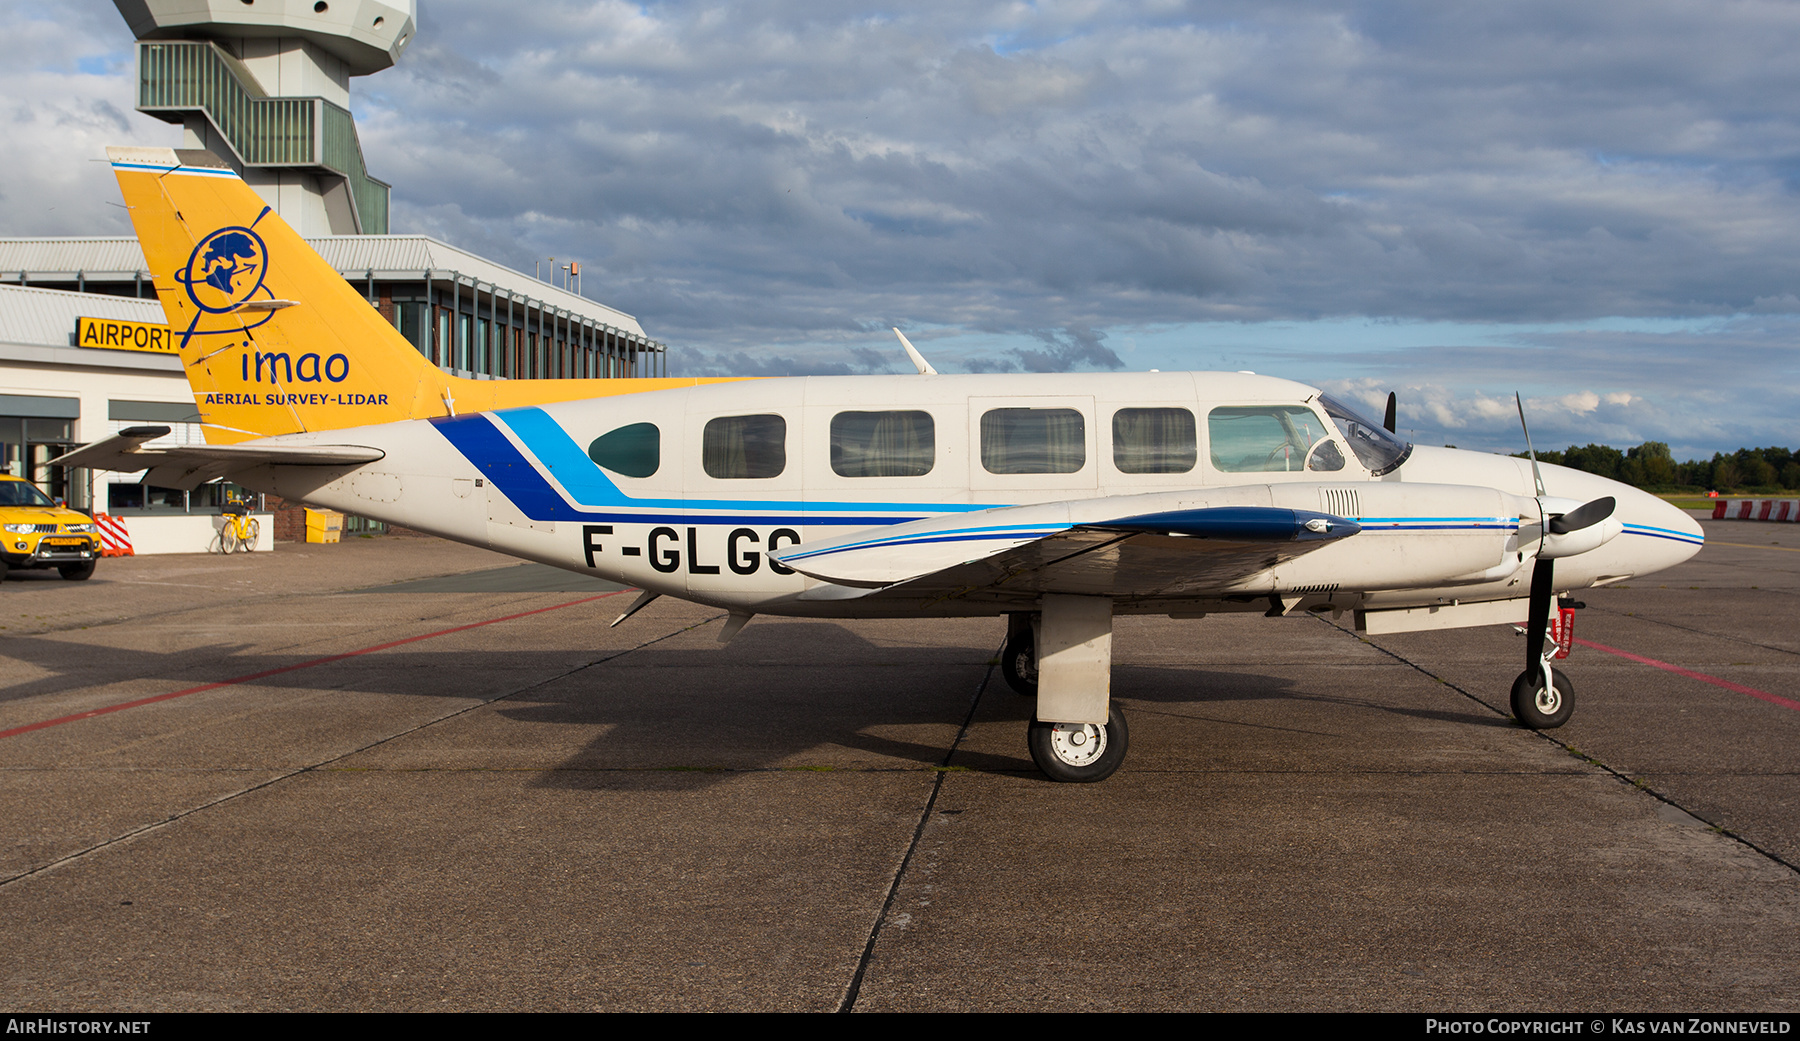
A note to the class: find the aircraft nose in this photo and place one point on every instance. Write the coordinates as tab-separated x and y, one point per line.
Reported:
1661	530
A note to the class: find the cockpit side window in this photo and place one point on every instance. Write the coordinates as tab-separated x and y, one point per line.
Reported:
1270	439
1378	449
634	451
744	446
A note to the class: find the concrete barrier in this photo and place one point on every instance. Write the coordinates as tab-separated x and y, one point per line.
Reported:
1784	510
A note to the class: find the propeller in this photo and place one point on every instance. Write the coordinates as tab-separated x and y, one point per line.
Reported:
1560	518
1388	420
1584	516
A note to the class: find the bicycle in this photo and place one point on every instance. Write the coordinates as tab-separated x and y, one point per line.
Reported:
239	530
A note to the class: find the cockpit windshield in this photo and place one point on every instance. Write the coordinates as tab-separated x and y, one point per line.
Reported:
1378	449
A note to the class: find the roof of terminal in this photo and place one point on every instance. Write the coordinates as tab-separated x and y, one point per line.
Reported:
35	322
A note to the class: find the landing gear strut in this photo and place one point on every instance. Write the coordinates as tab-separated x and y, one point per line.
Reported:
1063	655
1542	699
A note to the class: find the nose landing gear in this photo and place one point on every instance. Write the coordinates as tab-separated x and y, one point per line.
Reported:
1538	705
1542	698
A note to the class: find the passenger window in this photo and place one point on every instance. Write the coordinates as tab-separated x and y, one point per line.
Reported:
744	446
882	444
1033	441
1269	438
635	451
1154	441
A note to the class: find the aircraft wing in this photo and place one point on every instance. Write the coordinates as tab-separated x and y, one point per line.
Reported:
1098	547
189	466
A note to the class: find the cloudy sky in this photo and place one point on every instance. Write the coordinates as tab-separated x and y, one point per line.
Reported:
1592	203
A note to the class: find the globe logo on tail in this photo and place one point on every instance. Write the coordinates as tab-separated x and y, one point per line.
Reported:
225	270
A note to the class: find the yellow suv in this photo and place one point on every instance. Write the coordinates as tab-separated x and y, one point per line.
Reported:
37	533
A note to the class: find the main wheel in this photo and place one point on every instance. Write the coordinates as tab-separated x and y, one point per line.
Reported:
1079	752
1537	708
228	540
77	572
1018	664
251	530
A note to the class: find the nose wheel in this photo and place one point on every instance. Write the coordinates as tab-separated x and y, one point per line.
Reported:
1079	753
1542	706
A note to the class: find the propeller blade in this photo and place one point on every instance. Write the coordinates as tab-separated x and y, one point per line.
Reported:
1537	614
1537	475
1388	420
1583	516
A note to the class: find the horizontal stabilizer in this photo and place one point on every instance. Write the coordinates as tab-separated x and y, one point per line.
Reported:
189	466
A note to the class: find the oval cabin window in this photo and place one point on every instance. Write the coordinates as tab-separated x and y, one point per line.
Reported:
634	451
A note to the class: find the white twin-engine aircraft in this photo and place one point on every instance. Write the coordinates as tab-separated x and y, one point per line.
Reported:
1057	500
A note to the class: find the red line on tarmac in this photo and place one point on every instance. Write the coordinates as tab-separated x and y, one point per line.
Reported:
172	695
1773	699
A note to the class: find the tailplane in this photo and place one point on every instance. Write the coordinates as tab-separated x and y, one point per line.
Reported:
273	339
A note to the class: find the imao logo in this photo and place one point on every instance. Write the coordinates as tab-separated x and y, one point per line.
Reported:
225	269
283	368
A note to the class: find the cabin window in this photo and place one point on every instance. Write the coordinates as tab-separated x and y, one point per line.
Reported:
1154	441
882	444
744	446
1033	441
635	450
1270	438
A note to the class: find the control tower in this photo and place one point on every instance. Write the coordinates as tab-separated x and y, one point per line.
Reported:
266	85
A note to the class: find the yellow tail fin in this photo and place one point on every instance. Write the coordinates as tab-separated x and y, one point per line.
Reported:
273	340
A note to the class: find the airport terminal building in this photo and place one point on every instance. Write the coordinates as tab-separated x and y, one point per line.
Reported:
84	346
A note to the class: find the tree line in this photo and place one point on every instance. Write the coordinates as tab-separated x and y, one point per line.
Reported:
1651	466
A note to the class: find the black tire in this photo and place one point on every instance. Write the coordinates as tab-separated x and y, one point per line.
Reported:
1018	665
1066	751
1536	709
77	572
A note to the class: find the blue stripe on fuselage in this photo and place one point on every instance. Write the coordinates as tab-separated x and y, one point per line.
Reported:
589	486
476	437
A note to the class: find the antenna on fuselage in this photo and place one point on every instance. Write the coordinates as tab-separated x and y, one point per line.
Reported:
918	359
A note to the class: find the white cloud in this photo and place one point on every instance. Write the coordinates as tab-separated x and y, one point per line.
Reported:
1038	180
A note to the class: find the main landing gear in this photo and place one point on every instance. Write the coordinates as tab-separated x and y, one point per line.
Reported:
1018	659
1062	656
1079	752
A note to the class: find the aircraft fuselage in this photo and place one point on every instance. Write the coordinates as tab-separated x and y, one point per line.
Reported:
706	485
